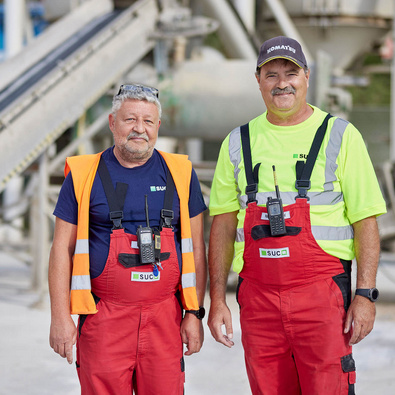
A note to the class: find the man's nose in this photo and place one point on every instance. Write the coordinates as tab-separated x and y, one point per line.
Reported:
282	82
139	126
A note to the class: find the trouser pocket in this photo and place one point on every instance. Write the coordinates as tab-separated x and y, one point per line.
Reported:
343	281
348	367
83	317
238	289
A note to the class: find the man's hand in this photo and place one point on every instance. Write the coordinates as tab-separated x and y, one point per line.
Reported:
62	337
192	333
360	317
220	315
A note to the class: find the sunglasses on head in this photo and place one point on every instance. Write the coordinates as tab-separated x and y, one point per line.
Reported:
138	88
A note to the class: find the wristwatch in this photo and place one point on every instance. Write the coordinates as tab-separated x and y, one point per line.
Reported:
372	294
199	314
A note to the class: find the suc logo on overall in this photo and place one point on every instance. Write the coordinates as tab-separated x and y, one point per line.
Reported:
145	277
274	252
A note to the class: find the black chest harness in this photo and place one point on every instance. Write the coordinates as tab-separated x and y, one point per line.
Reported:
303	169
116	200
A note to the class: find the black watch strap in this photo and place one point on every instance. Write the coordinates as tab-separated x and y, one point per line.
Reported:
371	293
199	314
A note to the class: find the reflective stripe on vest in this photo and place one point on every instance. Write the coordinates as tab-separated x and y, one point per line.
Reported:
328	197
81	282
81	247
186	245
188	280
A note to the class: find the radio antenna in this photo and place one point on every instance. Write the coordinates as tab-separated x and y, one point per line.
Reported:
146	210
275	182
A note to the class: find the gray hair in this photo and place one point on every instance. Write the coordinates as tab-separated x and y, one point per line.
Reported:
134	95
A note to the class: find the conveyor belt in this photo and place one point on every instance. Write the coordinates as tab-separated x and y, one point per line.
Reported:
17	87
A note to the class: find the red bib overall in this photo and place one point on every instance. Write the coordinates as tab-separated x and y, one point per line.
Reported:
136	332
293	298
133	342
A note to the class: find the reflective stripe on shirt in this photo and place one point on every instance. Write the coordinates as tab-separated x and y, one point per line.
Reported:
319	233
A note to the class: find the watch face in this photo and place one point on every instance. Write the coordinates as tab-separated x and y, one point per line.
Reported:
374	294
202	312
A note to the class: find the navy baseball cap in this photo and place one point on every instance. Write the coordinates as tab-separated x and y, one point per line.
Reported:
284	48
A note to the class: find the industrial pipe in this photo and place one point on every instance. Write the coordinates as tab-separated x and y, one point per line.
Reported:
232	34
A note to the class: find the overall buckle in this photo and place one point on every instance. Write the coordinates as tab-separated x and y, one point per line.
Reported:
167	216
116	217
302	186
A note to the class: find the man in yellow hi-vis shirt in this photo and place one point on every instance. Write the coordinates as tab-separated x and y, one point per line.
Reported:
294	200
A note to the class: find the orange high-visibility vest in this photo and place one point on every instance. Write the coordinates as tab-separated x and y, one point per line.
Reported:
83	169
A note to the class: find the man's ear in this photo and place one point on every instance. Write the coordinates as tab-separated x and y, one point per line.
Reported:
308	77
258	75
111	121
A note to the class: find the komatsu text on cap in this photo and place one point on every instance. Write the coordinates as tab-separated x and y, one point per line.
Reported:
281	47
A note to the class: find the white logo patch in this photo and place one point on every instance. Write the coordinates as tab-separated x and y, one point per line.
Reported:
145	277
287	215
135	245
157	188
274	252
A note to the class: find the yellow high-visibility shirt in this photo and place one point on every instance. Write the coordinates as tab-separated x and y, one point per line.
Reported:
344	187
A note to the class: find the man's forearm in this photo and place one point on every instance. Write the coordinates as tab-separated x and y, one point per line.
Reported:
59	275
60	267
221	250
367	251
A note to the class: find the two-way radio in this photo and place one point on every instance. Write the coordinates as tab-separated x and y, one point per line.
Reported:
145	240
275	211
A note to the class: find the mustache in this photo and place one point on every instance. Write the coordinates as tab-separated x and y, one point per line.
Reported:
139	135
278	91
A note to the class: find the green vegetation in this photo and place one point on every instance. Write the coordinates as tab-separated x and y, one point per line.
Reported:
378	92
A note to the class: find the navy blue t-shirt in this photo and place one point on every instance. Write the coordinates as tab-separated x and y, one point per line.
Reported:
148	179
